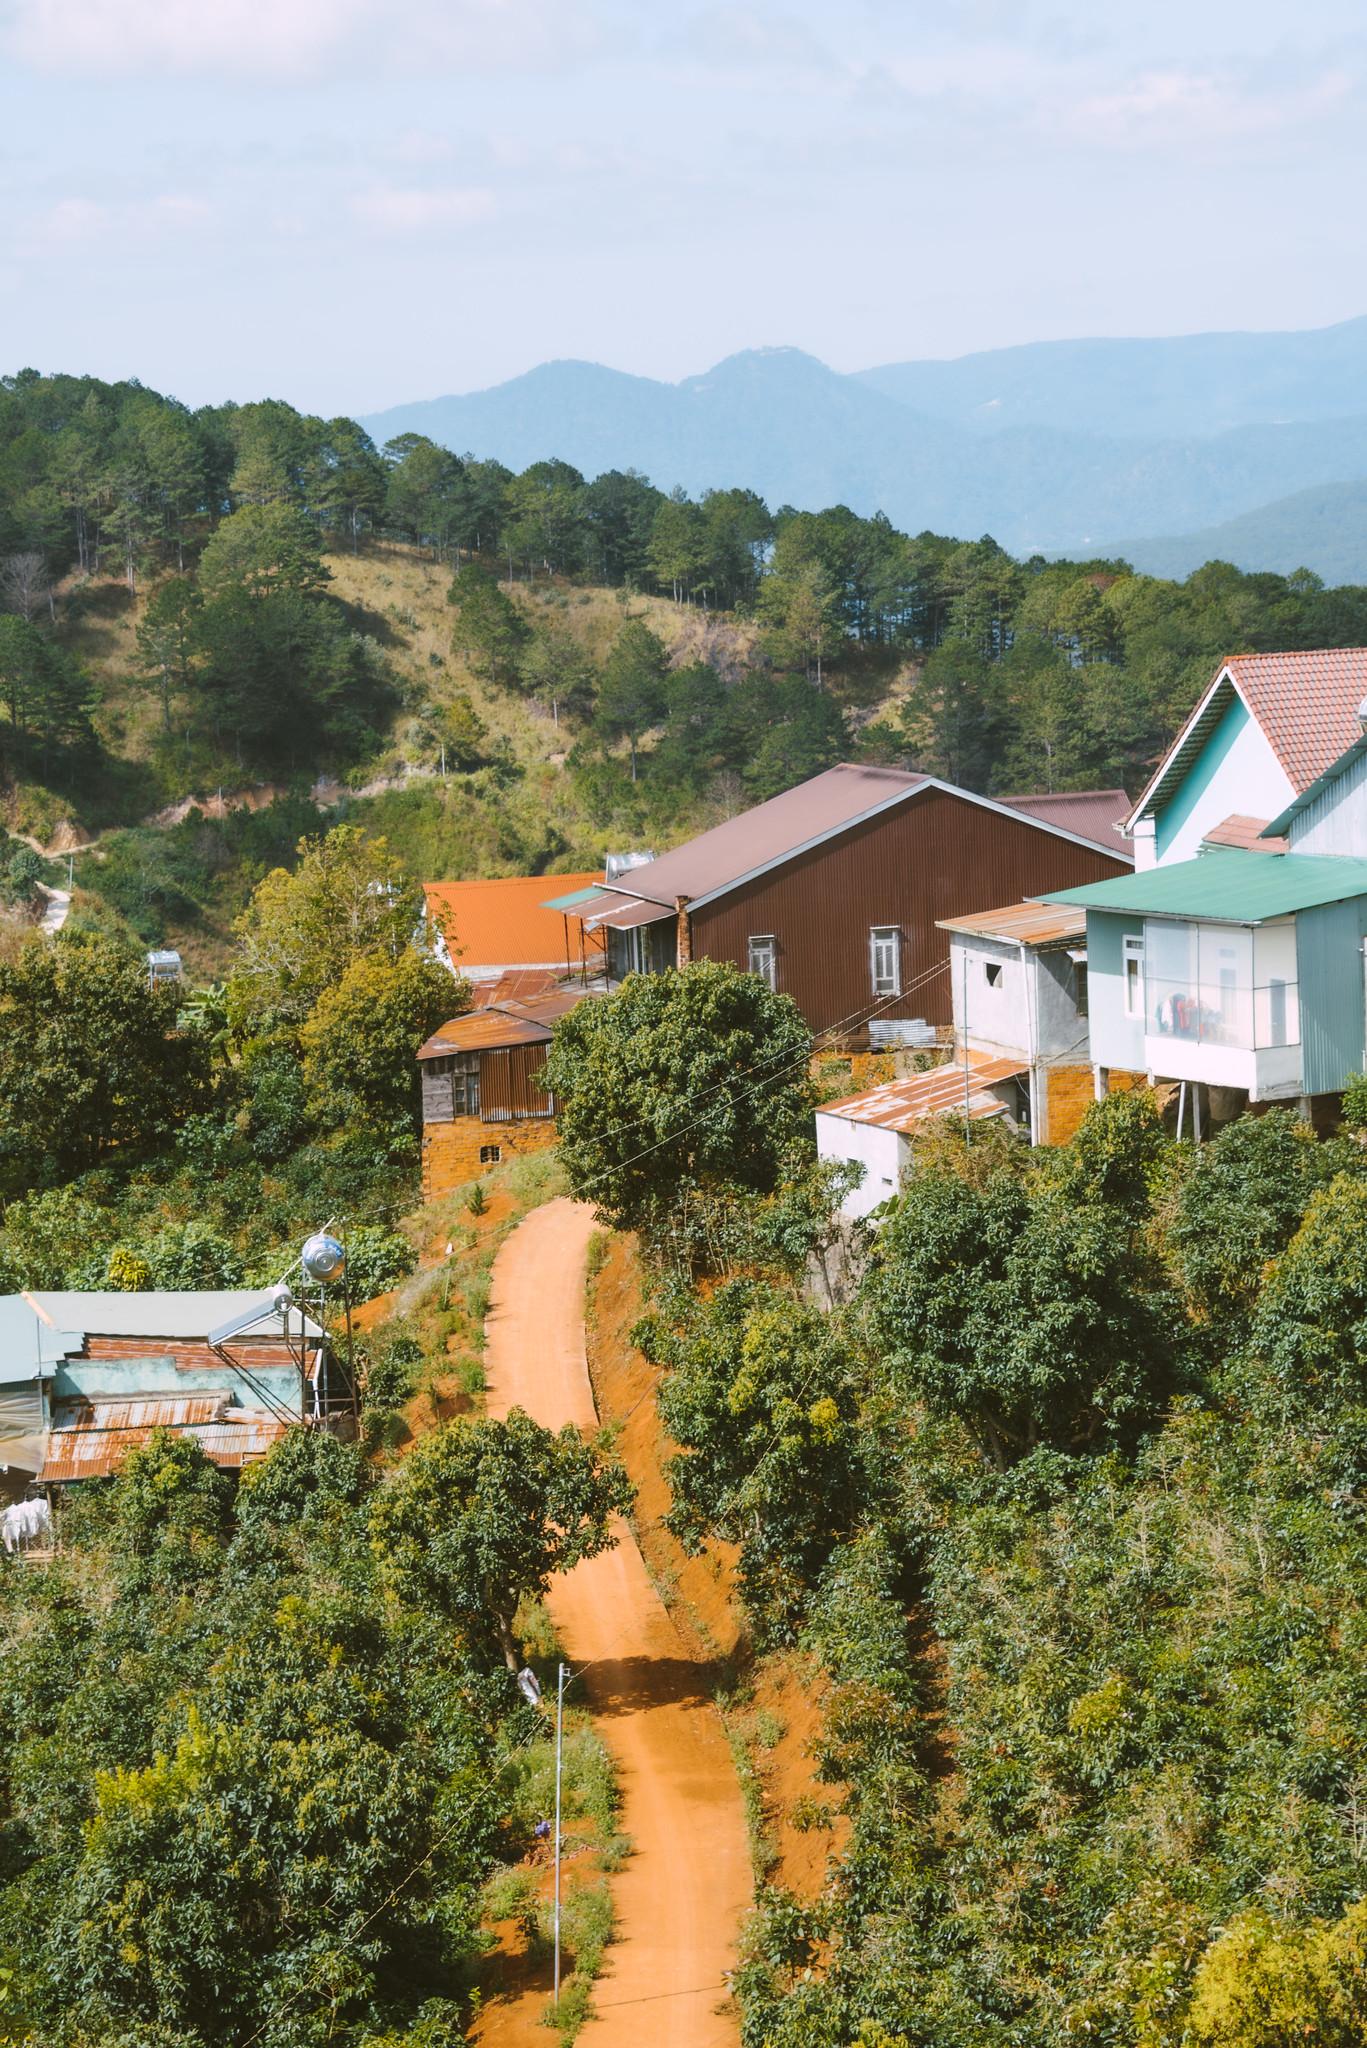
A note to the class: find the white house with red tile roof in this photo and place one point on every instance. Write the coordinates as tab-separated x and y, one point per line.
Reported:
1266	729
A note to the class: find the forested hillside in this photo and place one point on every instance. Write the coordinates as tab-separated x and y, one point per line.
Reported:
513	672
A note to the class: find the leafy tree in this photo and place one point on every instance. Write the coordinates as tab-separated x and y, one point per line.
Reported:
678	1084
1238	1206
1028	1318
631	692
90	1059
1262	1984
265	549
490	630
759	1395
481	1515
168	640
1310	1324
346	899
361	1039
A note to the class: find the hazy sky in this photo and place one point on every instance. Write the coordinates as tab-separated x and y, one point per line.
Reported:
347	203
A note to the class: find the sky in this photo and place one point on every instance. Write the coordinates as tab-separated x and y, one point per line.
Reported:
352	203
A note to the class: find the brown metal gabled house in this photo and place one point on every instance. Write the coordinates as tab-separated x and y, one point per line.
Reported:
832	892
482	1094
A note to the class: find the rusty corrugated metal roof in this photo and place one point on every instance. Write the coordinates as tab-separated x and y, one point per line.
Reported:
502	1024
90	1439
1036	924
900	1105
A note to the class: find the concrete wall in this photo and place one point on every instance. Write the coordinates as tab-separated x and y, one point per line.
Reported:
1235	772
882	1154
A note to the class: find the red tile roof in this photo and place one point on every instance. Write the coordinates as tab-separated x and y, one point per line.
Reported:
505	923
1238	830
1306	703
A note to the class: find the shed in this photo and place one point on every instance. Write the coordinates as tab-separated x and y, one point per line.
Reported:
874	1130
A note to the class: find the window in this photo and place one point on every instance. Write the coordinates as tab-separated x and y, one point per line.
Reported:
885	960
763	958
992	973
465	1084
1132	971
1080	986
490	1155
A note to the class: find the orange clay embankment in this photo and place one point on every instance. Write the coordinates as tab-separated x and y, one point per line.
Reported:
788	1692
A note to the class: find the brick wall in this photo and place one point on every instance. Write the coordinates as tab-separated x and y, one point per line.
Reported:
1068	1096
450	1152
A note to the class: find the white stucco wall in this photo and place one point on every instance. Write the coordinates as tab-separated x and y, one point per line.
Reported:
881	1153
1236	773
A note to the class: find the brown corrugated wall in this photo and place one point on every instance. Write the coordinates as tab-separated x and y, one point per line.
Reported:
935	856
509	1087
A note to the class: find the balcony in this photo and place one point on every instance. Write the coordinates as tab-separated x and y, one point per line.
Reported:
1227	1033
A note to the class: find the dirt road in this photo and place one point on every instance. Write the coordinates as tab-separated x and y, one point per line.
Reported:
680	1897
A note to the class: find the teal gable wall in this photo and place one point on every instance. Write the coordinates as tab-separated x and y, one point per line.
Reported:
1200	775
1329	971
1115	1039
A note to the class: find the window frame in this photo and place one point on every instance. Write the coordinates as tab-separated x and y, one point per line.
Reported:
753	945
1132	987
491	1155
885	936
994	973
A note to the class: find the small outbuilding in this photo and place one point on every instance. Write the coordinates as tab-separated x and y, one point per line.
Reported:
483	1098
874	1130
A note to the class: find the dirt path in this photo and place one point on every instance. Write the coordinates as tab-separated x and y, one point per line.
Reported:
681	1895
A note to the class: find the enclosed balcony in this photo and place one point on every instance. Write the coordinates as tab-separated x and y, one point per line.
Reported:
1222	1004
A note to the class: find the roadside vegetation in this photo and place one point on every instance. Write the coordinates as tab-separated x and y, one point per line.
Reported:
1063	1498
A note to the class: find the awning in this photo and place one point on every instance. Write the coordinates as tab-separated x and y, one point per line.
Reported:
626	913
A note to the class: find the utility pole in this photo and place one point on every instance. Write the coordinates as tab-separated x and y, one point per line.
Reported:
559	1759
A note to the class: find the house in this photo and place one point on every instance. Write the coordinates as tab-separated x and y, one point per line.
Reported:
1018	977
482	1101
1266	729
874	1130
86	1376
1235	971
832	892
488	931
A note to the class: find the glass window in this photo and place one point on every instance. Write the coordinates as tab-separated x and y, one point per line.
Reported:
885	960
1132	968
1080	986
490	1155
763	958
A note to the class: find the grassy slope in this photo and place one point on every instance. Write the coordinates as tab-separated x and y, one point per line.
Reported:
493	822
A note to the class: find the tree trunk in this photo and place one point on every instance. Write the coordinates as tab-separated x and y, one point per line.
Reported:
512	1649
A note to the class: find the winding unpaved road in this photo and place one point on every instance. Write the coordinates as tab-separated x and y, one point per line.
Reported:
681	1895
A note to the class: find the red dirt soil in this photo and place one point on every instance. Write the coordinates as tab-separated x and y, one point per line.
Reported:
681	1896
788	1692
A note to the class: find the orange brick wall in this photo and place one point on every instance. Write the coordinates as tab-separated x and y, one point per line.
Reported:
1068	1096
450	1152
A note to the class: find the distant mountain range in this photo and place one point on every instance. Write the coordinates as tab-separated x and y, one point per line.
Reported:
1249	445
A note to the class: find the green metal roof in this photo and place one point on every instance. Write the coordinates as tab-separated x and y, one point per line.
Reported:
575	896
1227	885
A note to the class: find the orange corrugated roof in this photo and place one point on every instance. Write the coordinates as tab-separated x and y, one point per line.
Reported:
91	1439
900	1105
1306	703
505	923
511	1023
